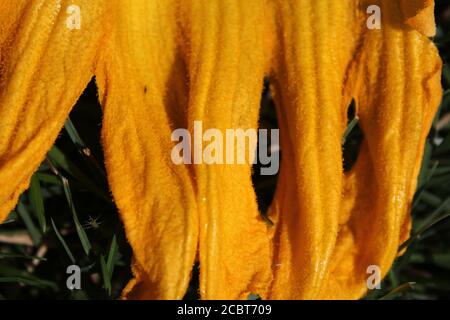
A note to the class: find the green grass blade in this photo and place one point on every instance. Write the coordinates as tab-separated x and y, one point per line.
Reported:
113	257
446	73
48	178
26	218
7	222
73	133
423	182
59	158
430	199
37	202
81	233
425	164
393	278
440	180
20	256
9	274
444	147
433	219
105	275
253	296
399	290
29	282
349	129
63	242
441	260
442	170
108	266
82	147
431	172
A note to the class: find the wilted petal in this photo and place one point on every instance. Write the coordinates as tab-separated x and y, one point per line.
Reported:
143	89
397	94
226	62
316	41
44	67
419	14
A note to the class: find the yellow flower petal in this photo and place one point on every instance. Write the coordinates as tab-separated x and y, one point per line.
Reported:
143	89
316	40
44	67
163	65
397	96
226	64
333	240
419	14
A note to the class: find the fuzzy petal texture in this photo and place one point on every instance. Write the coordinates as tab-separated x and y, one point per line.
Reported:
162	65
329	225
397	94
44	67
316	41
419	14
226	64
143	90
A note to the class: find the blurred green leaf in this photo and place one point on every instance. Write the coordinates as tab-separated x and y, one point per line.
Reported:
349	129
433	219
10	274
81	233
29	282
58	157
105	275
48	178
113	257
19	256
28	221
82	147
63	242
398	290
37	202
